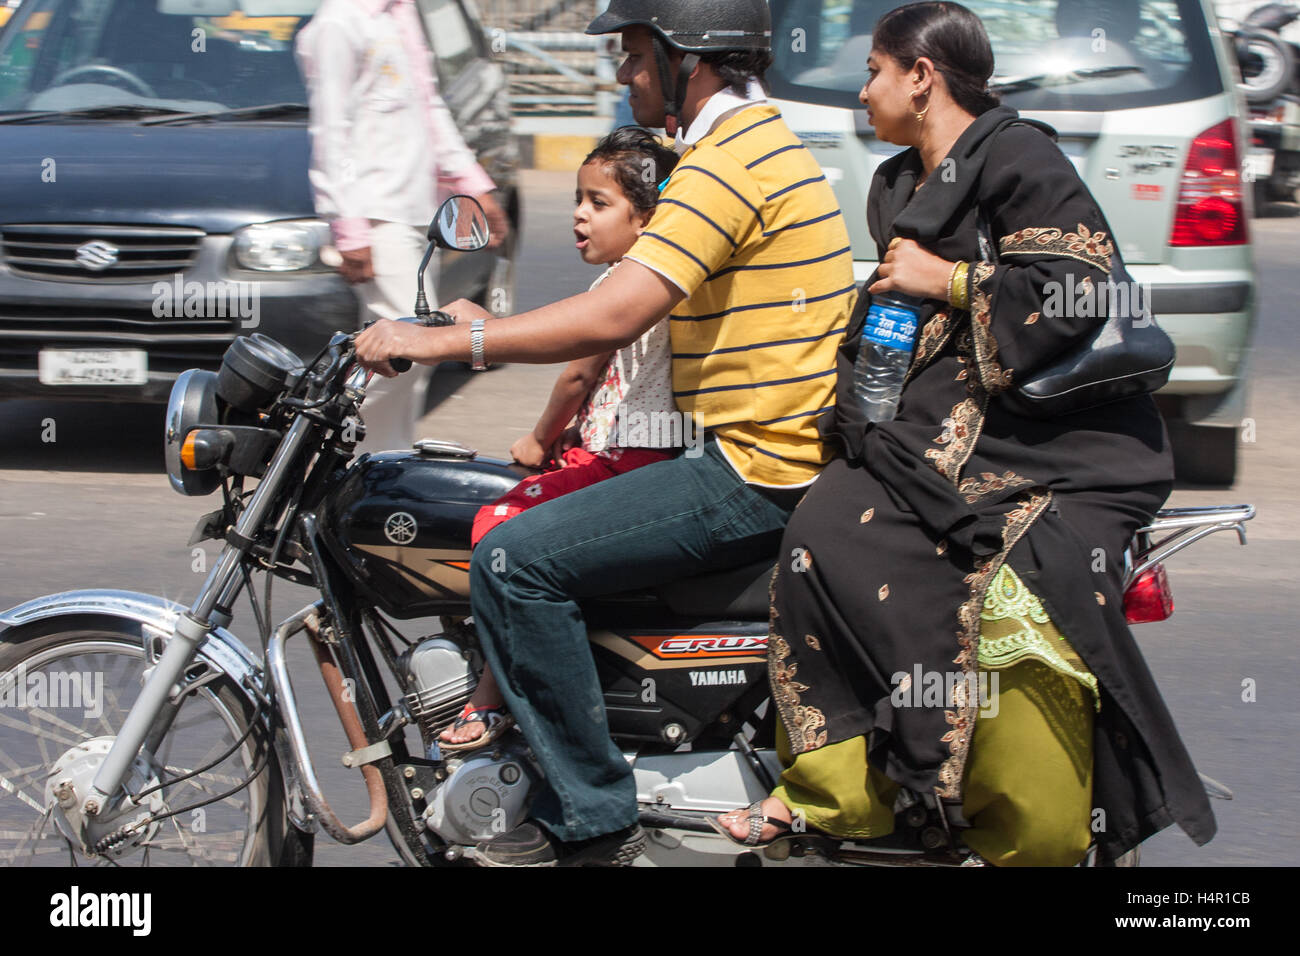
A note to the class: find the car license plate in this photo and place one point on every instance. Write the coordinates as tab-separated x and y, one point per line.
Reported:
1259	165
92	367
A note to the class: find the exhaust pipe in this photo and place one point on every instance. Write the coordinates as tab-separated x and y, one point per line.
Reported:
308	619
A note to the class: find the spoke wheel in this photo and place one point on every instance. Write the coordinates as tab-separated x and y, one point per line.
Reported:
1267	65
62	685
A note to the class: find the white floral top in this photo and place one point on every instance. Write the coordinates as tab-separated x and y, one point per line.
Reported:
632	404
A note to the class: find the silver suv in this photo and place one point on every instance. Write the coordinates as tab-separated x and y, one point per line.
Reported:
1143	95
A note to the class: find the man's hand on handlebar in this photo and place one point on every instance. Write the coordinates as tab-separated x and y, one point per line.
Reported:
389	339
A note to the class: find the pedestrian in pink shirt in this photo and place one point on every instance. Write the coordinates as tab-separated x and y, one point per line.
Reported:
385	149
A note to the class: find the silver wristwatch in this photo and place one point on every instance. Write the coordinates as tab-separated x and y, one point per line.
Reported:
476	346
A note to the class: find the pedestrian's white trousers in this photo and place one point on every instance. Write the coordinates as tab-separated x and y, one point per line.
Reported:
394	405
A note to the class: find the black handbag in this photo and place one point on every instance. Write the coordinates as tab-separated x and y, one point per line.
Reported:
1126	357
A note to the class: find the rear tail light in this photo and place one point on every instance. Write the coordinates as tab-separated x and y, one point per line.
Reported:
1148	598
1211	211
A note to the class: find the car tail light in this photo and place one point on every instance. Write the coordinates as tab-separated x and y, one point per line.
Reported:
1148	598
1211	211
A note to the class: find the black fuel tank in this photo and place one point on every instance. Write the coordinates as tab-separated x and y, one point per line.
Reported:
400	523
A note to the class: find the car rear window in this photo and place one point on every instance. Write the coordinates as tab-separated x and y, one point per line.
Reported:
1048	54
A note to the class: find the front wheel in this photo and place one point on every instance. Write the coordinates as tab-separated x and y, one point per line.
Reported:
66	686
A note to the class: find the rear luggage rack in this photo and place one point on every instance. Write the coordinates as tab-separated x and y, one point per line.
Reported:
1180	528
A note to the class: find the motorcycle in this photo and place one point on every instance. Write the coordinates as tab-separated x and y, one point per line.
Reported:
1264	42
194	751
1264	39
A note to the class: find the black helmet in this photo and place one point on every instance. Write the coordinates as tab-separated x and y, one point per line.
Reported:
693	26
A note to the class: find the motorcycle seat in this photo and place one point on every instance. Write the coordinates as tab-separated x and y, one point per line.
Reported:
738	594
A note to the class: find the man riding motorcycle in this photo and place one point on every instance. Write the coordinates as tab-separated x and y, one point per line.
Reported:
748	254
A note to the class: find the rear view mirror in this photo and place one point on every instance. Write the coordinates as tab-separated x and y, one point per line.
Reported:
461	224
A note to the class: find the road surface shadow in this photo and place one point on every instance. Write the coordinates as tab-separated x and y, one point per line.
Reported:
446	378
81	436
1277	210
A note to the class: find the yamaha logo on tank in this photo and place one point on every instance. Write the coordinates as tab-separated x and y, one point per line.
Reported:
97	255
401	528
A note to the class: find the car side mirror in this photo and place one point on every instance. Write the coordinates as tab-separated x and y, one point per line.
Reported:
460	224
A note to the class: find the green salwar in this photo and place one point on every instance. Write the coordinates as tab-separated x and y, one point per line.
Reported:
1028	789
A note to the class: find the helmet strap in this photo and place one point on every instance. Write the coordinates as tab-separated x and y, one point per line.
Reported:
683	80
674	93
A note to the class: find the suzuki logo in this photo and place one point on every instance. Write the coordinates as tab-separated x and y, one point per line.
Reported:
97	256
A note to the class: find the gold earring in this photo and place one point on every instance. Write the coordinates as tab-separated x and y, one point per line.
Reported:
921	115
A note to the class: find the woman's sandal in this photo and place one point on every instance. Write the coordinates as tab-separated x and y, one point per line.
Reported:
495	723
756	823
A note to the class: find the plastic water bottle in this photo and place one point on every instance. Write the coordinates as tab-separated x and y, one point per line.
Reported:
885	353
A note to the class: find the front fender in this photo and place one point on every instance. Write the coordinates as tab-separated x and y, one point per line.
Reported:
221	649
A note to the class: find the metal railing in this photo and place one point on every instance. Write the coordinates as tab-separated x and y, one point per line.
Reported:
550	64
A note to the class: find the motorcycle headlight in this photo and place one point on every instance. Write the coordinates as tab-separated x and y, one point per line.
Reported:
193	404
289	246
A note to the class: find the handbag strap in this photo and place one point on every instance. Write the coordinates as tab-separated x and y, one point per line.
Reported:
987	245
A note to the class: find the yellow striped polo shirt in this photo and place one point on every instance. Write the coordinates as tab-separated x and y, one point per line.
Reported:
749	229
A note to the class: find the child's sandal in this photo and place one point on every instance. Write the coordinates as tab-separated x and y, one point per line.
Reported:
495	723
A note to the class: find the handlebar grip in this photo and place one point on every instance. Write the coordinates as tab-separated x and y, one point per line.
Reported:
400	364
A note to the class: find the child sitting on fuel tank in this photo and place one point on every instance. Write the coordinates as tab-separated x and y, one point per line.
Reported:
622	400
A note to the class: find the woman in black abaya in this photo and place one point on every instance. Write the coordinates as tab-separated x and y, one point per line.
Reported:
962	546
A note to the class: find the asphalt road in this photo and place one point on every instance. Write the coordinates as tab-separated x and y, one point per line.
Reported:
93	509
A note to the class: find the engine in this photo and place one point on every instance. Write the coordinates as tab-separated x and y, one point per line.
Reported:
485	792
484	795
442	676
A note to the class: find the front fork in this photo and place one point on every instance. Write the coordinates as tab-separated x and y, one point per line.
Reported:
210	609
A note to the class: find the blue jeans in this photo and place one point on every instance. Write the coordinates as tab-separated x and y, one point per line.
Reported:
669	520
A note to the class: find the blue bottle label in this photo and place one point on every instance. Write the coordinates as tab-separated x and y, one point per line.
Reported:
890	325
